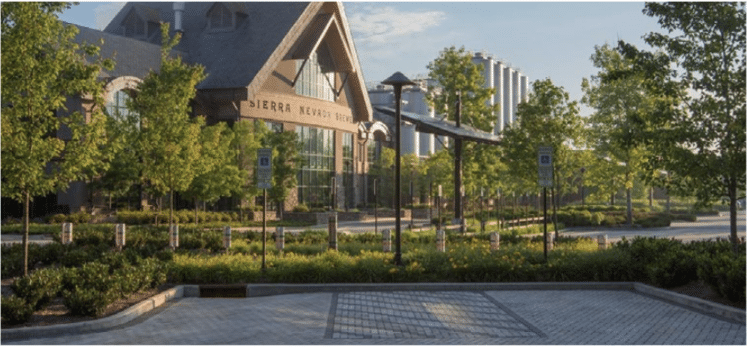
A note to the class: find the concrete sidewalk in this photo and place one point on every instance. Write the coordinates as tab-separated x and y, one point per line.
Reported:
408	314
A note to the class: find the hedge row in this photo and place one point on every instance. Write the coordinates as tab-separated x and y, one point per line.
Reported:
659	262
179	216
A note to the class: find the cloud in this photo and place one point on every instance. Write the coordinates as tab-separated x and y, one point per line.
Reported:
103	14
383	24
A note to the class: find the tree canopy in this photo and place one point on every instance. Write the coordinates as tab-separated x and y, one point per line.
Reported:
697	130
168	140
45	146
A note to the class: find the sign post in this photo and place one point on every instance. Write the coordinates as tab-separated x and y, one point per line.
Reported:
264	173
544	160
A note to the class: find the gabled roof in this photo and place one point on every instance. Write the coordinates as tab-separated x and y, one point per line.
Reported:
244	58
231	58
146	13
133	57
231	6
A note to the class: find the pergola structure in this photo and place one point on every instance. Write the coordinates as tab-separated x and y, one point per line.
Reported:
458	132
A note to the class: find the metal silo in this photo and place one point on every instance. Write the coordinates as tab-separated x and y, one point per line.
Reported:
524	88
488	67
499	93
507	100
516	94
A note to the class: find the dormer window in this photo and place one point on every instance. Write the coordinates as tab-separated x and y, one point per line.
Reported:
221	17
134	25
141	22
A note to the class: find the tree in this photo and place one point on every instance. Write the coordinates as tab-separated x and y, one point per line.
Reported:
698	137
168	134
286	161
44	146
616	102
216	174
457	76
549	118
122	177
411	172
248	137
382	169
455	73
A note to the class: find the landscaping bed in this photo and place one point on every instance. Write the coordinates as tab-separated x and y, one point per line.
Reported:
81	273
56	313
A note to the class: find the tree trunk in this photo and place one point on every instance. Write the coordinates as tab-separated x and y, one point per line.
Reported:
630	208
26	234
171	208
733	214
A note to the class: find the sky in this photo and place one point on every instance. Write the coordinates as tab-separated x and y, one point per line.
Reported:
541	39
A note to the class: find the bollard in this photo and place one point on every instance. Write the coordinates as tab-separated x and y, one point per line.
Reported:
386	241
550	241
119	236
440	240
174	236
495	241
280	238
67	233
332	227
602	239
227	237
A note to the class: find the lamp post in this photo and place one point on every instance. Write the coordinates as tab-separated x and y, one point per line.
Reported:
398	81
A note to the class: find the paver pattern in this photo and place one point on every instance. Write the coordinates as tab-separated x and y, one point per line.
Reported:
421	314
617	317
507	317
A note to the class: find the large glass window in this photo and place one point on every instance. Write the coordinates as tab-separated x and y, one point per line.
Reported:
318	78
275	127
117	106
347	144
314	178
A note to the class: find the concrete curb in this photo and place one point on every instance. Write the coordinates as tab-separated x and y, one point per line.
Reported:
260	290
700	305
123	317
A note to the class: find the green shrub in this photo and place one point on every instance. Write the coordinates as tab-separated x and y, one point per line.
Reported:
301	208
88	302
93	235
39	287
650	221
597	218
12	260
195	239
725	273
673	268
80	217
81	255
57	219
15	310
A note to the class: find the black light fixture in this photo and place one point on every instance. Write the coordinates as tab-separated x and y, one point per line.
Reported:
398	81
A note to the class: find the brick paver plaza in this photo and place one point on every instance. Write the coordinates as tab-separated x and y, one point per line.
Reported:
534	317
